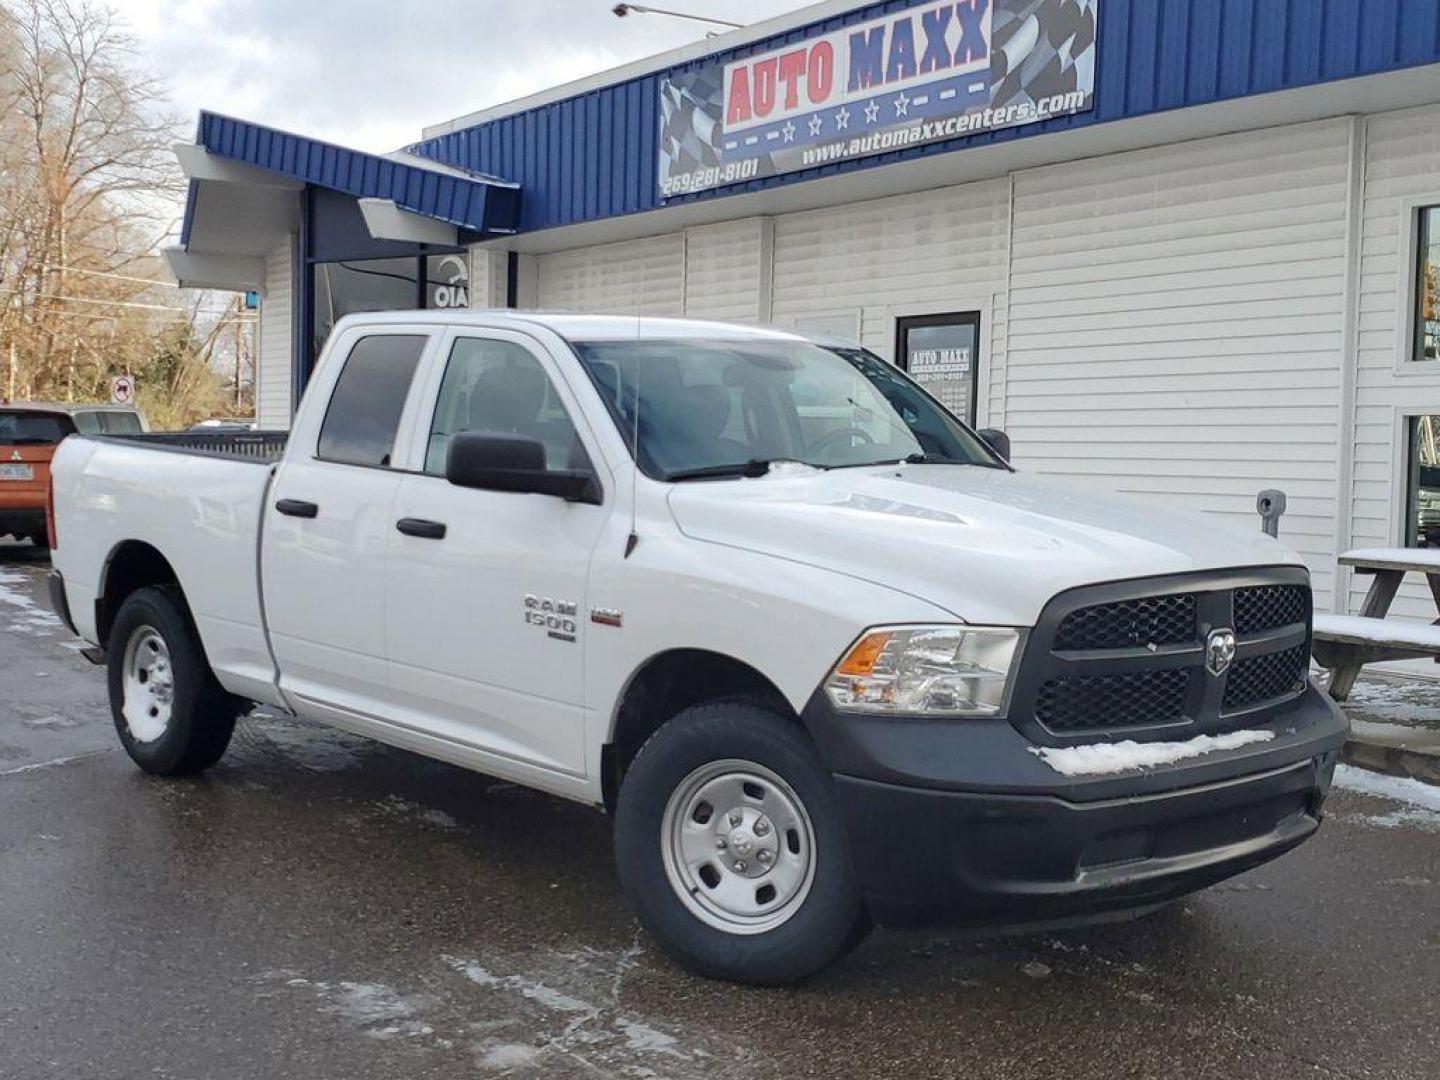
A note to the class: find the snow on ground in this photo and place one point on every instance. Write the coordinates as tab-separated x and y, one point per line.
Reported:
1419	801
23	613
1098	759
1409	702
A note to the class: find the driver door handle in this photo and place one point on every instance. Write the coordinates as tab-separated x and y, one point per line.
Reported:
297	508
424	530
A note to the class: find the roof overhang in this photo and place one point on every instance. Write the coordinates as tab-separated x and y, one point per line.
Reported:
246	182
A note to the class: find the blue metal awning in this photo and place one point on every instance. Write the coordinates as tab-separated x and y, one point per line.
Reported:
470	201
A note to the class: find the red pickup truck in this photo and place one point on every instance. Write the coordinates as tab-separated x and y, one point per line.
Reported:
29	435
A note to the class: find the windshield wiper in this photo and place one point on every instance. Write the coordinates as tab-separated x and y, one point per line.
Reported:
752	469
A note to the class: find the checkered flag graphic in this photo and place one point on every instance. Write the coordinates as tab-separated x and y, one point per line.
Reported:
1041	48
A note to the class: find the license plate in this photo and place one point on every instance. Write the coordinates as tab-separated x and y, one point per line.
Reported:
16	472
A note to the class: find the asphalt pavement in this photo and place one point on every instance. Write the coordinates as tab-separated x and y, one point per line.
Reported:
320	906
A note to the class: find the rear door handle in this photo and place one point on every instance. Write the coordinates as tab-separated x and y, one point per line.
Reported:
425	530
297	508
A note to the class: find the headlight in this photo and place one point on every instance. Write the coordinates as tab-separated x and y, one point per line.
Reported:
926	670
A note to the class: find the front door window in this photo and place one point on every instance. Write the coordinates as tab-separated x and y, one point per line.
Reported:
942	354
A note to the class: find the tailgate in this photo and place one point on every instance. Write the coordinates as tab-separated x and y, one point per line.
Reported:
24	473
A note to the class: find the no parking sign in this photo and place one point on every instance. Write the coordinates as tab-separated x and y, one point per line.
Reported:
122	390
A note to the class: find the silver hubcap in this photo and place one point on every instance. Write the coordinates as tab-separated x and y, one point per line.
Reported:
149	685
738	846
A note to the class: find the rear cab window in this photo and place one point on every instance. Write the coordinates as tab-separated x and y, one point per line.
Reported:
368	401
20	427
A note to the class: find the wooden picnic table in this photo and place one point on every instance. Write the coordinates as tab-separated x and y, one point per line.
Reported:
1345	643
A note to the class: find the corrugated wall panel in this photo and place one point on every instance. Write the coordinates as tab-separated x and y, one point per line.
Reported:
938	251
723	271
272	366
1402	166
593	156
644	277
1175	325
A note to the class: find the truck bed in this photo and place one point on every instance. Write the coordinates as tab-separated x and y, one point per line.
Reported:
194	499
253	446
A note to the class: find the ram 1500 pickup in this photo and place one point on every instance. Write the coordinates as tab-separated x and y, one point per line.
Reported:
823	653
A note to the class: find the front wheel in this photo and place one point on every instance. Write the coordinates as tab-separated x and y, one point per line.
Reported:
173	718
730	847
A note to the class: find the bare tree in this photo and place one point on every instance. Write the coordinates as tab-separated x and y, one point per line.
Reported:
88	190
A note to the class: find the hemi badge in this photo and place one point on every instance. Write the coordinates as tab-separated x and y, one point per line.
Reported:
607	616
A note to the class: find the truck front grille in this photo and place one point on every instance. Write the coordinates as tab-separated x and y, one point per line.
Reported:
1267	677
1128	659
1269	607
1086	702
1162	620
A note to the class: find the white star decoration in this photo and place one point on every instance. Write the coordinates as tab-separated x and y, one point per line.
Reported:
902	105
816	124
842	120
788	131
872	112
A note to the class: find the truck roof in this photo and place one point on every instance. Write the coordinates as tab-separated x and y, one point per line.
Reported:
574	325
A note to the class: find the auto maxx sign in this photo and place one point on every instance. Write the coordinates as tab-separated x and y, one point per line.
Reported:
922	75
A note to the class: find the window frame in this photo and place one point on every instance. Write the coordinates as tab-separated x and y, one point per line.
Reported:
427	398
1417	285
1407	329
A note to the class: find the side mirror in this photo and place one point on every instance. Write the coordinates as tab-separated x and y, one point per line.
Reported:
998	441
514	463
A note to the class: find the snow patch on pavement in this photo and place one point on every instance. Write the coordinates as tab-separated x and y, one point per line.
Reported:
27	616
1098	759
405	810
584	1024
1419	801
380	1011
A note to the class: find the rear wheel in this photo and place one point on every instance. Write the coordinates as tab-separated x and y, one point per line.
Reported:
173	718
730	847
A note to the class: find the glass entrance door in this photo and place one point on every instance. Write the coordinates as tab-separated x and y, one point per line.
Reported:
942	353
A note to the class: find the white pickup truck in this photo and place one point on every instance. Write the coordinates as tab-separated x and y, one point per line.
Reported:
823	653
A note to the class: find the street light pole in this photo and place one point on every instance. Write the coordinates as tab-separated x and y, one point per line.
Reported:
621	10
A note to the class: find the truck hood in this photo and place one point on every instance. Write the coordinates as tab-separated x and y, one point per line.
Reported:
986	545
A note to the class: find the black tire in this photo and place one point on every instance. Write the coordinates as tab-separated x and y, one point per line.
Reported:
202	715
825	924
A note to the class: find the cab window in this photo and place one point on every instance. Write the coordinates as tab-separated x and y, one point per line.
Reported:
498	387
365	407
120	423
21	428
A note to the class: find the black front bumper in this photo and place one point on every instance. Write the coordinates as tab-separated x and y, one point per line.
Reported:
963	822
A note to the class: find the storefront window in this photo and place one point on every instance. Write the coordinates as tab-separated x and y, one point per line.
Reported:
344	288
1422	526
1427	299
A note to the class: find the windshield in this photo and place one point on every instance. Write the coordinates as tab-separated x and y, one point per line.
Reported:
31	429
725	408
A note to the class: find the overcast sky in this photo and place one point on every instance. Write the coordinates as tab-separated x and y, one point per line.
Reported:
372	73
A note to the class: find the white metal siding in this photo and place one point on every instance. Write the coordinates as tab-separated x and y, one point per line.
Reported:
642	277
1175	325
489	278
1402	167
726	276
937	251
273	366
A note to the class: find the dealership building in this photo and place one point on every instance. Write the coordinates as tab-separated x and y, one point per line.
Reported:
1185	249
